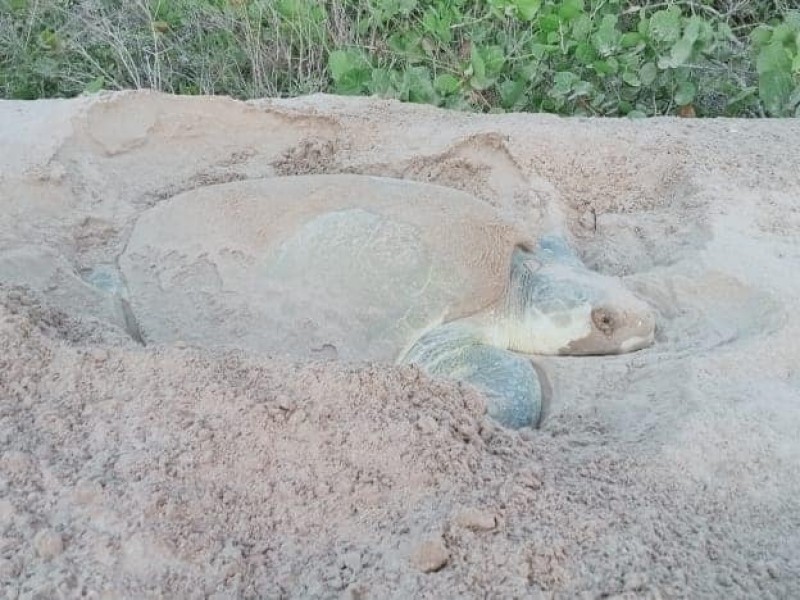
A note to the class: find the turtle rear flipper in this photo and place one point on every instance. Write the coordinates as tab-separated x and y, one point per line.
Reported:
511	384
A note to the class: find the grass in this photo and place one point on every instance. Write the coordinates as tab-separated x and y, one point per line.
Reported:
592	57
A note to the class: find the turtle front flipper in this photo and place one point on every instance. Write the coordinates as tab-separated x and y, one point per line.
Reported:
511	384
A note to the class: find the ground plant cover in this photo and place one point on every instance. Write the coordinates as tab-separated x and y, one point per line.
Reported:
584	57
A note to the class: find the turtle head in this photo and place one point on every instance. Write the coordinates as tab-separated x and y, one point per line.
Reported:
558	306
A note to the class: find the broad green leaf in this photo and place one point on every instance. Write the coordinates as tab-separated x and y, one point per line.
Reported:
783	33
648	73
644	26
381	83
405	42
606	38
481	78
18	6
340	62
349	70
477	64
419	85
681	52
392	8
581	88
527	9
438	25
745	94
794	98
774	90
761	35
549	23
581	27
665	25
512	92
773	57
570	9
493	59
631	79
693	29
447	84
563	82
353	82
631	39
606	67
585	54
685	93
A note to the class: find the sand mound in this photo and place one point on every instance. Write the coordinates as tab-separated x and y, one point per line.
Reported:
181	470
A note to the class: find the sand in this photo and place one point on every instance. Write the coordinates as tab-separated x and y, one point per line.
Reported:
179	470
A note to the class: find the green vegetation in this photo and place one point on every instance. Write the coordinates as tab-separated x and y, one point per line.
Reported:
593	57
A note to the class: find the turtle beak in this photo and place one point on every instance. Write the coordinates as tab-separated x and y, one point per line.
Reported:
616	331
639	335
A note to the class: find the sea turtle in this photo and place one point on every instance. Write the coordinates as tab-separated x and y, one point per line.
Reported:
374	268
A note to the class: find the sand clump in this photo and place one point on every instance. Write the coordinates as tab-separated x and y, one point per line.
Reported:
185	470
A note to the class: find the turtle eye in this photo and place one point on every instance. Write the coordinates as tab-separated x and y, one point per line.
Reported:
603	320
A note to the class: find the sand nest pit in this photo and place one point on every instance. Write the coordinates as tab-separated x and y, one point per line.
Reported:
135	467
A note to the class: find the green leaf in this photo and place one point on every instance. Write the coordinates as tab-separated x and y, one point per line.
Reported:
693	29
631	79
681	52
493	59
563	82
581	88
606	38
648	74
478	80
761	35
381	83
447	84
685	93
340	63
606	67
527	9
774	90
794	98
406	43
665	25
773	57
349	70
783	33
644	25
570	9
631	39
512	92
549	23
585	54
581	27
477	64
746	94
95	85
419	86
18	6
